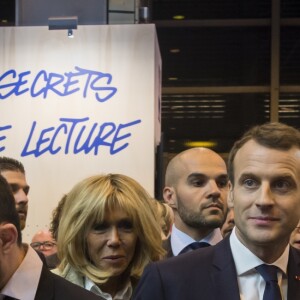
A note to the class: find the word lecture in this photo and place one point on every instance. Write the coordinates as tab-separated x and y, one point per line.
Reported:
74	136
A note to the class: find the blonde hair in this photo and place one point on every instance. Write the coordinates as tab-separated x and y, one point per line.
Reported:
166	215
87	203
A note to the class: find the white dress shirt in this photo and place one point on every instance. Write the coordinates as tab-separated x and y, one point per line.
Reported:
24	282
180	240
124	294
251	284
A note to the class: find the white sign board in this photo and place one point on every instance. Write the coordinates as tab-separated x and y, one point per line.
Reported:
71	108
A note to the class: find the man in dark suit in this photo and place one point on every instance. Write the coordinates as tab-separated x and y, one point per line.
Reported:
22	273
255	261
196	187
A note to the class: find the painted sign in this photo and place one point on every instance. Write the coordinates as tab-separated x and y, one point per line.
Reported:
71	108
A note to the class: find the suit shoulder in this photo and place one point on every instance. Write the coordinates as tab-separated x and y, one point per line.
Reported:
66	290
185	261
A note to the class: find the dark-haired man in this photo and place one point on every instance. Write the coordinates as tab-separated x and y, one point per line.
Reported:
255	261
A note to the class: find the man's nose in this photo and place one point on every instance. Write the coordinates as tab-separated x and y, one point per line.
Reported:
214	189
264	196
21	197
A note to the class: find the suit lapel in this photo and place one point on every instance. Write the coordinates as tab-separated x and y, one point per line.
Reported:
223	273
45	290
225	278
293	271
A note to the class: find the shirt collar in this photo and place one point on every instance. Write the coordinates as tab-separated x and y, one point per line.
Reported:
24	282
179	239
246	261
123	294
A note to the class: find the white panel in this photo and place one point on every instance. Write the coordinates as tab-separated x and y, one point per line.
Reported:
49	86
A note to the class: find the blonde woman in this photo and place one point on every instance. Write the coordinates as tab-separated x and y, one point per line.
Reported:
107	234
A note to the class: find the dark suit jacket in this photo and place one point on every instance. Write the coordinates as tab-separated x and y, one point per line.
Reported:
203	274
53	287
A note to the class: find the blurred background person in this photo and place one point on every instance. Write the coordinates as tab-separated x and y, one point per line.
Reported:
56	215
44	242
166	215
107	234
14	173
52	260
295	237
229	222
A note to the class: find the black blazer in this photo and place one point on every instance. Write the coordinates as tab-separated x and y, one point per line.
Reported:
54	287
203	274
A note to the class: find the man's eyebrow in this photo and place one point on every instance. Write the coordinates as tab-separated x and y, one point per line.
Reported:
196	174
13	185
223	176
17	186
247	175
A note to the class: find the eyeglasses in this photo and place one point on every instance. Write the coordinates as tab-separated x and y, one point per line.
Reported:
46	245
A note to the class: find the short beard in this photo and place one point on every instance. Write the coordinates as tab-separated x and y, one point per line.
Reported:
196	219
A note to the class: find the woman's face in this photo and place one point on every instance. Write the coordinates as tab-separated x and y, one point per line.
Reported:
111	244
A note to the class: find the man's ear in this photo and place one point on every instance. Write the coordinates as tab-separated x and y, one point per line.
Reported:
169	196
8	236
230	195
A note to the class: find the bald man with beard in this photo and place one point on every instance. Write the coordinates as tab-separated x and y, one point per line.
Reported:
196	187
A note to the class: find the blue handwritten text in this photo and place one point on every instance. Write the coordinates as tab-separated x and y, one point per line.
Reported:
75	136
3	137
43	83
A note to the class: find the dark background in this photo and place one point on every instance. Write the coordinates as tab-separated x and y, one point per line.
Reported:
217	69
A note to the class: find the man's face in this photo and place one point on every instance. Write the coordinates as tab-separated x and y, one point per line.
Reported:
20	189
44	242
201	191
266	195
229	223
295	237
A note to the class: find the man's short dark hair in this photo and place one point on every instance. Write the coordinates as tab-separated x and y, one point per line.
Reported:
10	164
8	212
270	135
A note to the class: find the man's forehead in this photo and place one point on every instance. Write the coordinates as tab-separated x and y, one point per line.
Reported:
253	155
203	164
13	176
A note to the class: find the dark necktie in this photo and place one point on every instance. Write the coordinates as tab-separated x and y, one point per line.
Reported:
269	274
9	298
193	246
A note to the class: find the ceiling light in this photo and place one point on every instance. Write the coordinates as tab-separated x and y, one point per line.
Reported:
206	144
178	17
174	50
